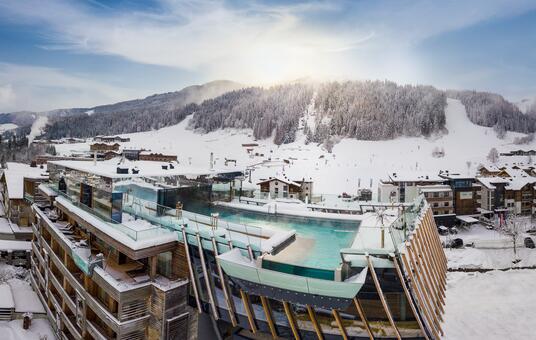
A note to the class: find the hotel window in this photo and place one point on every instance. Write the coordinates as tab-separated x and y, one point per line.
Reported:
446	204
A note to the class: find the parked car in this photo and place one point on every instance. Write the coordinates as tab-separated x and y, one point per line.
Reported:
455	243
529	243
443	230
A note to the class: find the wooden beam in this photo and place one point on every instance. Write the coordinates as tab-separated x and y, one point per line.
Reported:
227	296
316	326
206	276
291	320
338	320
424	288
269	317
429	243
191	270
436	236
408	297
249	312
363	317
425	259
427	277
425	308
382	297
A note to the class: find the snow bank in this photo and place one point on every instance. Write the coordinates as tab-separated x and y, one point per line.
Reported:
40	329
492	305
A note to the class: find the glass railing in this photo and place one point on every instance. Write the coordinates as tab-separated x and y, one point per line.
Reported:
165	220
136	234
402	227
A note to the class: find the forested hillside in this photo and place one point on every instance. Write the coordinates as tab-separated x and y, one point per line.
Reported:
492	110
365	110
149	113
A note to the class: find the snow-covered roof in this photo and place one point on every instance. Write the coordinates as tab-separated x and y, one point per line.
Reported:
516	183
108	168
25	298
280	179
489	167
414	177
15	174
489	182
6	297
10	245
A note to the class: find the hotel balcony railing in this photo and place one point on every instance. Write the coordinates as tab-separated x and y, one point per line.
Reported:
136	235
168	220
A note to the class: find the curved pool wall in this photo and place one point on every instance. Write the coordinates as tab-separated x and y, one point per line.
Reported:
321	240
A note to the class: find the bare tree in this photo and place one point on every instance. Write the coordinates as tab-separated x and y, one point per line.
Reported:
514	227
493	156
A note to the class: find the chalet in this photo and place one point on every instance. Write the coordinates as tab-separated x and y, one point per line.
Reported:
466	193
111	139
439	197
132	154
19	183
103	147
156	157
492	192
278	187
489	170
520	152
404	187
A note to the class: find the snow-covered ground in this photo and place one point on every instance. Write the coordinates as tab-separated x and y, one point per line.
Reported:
492	305
352	163
39	330
7	127
25	300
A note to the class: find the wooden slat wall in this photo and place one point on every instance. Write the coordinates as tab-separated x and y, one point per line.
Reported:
425	265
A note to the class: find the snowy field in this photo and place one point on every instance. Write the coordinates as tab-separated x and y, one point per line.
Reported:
492	305
351	164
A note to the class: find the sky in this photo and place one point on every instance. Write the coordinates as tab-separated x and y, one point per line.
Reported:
67	53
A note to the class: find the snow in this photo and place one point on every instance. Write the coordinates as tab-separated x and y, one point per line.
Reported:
160	236
351	162
6	297
26	300
9	245
486	259
491	305
146	168
47	191
292	209
15	174
4	226
40	329
7	127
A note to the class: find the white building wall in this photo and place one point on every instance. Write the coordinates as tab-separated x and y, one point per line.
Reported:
388	193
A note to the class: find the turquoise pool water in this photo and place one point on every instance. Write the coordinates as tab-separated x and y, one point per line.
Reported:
322	239
318	241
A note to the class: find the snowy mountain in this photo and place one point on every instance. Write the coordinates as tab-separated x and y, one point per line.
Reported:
351	164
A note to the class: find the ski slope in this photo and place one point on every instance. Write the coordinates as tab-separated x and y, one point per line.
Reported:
352	163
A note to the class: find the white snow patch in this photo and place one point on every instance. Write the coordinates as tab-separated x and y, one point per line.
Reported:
492	305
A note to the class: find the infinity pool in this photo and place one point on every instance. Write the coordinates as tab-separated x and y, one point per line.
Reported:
318	241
